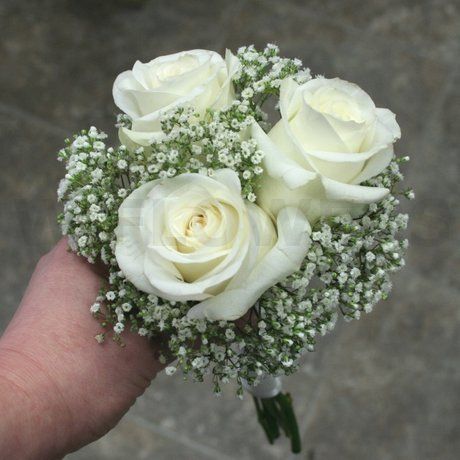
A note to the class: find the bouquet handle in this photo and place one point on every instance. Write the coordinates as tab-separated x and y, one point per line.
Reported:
275	411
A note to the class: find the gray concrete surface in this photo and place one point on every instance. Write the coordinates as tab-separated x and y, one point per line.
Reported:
384	387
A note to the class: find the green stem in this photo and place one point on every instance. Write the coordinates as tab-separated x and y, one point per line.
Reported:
275	413
285	402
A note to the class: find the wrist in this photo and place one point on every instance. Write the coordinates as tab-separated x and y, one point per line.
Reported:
33	412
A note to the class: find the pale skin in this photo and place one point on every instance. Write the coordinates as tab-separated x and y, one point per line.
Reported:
60	389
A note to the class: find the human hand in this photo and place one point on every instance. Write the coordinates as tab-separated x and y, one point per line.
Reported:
59	389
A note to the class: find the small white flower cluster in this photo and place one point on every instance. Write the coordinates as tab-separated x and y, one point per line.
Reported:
262	72
353	258
345	272
204	146
90	191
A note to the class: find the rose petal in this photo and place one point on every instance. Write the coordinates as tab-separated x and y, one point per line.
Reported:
281	261
122	85
129	249
278	165
229	178
134	139
227	93
375	165
313	131
352	193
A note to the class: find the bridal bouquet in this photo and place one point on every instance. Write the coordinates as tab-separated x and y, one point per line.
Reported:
236	239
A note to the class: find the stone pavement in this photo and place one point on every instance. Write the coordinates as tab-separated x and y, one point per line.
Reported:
384	387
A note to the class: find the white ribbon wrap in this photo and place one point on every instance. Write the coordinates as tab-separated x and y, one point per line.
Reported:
268	387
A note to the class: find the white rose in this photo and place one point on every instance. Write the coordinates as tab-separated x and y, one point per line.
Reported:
193	237
198	78
330	138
